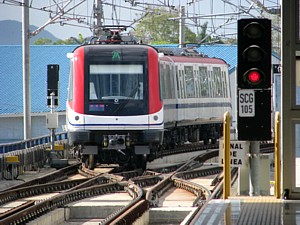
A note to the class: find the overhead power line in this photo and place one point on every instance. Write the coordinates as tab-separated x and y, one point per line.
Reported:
64	12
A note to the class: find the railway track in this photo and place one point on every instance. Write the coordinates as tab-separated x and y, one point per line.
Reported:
146	190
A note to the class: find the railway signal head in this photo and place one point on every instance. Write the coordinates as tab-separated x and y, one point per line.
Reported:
53	83
254	79
254	54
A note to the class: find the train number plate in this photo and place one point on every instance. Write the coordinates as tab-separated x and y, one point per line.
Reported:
246	100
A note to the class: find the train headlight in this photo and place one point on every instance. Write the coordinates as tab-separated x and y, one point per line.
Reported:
127	141
70	55
105	142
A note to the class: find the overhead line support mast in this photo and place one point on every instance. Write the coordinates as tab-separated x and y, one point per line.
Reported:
98	16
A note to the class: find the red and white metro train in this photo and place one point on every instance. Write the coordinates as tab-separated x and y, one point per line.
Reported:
127	102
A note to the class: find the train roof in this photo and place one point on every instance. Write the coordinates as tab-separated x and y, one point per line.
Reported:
116	46
188	55
191	59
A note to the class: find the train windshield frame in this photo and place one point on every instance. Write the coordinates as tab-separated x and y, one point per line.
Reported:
120	81
116	89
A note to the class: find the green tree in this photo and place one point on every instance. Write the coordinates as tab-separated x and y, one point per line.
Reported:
71	40
43	41
59	42
68	41
155	28
202	36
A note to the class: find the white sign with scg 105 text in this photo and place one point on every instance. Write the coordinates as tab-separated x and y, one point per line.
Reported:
246	100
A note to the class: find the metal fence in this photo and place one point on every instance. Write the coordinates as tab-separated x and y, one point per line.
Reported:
25	144
31	154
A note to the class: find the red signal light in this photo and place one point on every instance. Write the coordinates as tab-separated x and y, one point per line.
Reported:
253	76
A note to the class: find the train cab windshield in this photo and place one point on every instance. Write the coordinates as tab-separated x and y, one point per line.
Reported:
116	89
116	82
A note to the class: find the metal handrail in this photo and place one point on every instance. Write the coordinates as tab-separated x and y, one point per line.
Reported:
24	144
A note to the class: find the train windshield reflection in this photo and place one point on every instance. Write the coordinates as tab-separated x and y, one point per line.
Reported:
116	82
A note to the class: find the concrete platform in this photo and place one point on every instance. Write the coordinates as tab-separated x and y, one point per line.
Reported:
251	210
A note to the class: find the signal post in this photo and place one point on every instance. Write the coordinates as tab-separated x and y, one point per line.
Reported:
254	90
52	102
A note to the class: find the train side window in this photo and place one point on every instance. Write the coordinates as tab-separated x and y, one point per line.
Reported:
189	81
162	81
169	85
217	76
171	69
160	84
166	83
222	89
183	91
177	82
70	88
214	82
224	84
180	91
210	84
203	79
228	85
169	82
196	79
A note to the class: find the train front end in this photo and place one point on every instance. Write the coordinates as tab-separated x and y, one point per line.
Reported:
114	109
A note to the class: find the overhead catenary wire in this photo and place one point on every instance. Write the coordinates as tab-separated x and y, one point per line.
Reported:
139	9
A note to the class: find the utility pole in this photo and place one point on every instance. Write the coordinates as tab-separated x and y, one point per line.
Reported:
98	16
181	27
26	71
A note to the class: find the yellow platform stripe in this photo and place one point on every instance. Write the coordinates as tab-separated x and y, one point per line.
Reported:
257	199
